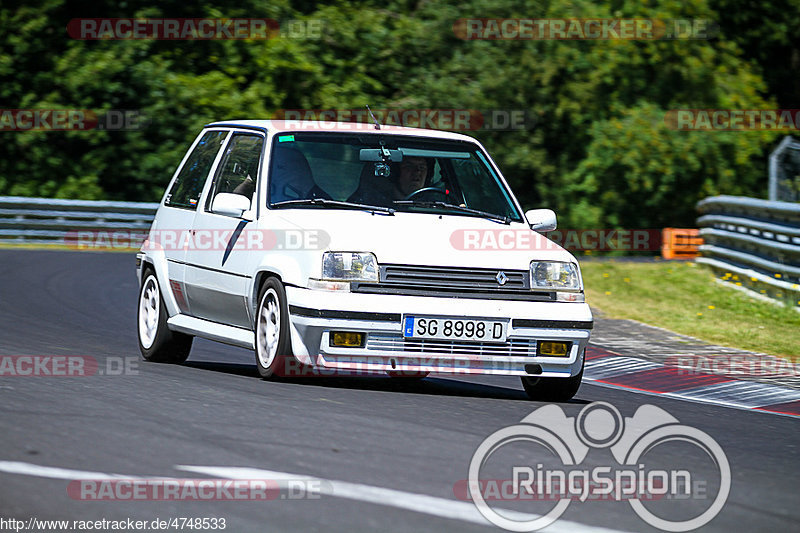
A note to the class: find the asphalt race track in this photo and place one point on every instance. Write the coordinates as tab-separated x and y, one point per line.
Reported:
385	454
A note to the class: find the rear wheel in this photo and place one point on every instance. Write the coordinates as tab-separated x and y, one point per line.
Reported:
552	389
273	341
156	342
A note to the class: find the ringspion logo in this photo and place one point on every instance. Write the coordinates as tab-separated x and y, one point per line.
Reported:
543	458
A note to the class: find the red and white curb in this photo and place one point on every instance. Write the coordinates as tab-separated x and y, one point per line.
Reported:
605	367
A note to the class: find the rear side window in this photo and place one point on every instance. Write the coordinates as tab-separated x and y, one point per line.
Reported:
186	190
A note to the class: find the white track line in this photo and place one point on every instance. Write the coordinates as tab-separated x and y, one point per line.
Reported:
28	469
420	503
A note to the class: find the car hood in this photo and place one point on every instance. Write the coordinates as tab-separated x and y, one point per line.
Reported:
427	239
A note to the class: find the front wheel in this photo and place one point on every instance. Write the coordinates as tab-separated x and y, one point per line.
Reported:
552	389
273	343
156	342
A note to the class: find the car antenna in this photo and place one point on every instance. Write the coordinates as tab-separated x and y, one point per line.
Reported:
375	120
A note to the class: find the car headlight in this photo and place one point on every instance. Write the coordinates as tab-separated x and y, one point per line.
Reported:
558	276
349	266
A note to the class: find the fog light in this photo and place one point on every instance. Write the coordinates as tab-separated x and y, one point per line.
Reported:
553	349
347	338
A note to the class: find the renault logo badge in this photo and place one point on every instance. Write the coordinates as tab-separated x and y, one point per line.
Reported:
501	278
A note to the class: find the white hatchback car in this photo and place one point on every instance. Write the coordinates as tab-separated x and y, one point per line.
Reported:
341	248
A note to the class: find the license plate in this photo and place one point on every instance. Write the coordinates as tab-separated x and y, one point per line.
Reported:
467	329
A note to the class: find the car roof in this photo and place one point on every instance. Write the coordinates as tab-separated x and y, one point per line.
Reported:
274	126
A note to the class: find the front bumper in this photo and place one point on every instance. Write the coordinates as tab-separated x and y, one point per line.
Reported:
315	313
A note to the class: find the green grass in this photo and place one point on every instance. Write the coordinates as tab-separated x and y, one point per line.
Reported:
29	246
72	248
683	297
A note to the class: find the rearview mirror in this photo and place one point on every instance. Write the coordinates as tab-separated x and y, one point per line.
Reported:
232	205
380	155
541	219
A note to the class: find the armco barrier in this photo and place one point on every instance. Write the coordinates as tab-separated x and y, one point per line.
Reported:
753	244
52	221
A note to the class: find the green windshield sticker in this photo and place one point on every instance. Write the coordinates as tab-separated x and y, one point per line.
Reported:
285	138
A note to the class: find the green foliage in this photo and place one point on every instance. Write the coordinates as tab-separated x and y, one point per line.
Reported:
638	173
768	37
600	152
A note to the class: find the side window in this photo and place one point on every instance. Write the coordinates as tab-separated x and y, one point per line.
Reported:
186	190
238	171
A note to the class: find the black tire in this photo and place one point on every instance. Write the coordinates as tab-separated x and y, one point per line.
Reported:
552	389
273	341
156	342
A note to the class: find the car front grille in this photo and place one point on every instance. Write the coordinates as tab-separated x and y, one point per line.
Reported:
393	342
452	277
455	282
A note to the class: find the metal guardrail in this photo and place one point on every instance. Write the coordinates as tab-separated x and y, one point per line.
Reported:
62	222
784	175
755	243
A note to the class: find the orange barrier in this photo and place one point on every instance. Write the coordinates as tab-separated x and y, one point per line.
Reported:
679	243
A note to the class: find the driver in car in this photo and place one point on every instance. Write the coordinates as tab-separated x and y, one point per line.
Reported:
413	174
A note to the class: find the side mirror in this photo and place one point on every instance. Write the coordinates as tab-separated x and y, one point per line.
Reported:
541	219
232	205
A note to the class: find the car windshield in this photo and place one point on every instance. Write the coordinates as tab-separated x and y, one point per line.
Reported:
393	172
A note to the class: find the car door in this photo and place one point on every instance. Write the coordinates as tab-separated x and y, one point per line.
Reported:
219	264
175	220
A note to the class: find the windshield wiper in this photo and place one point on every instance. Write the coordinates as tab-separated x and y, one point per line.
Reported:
333	203
466	210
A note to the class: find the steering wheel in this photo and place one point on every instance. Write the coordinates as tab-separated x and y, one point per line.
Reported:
426	189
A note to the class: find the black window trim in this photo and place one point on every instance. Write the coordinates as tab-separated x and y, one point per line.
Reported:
205	197
186	156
